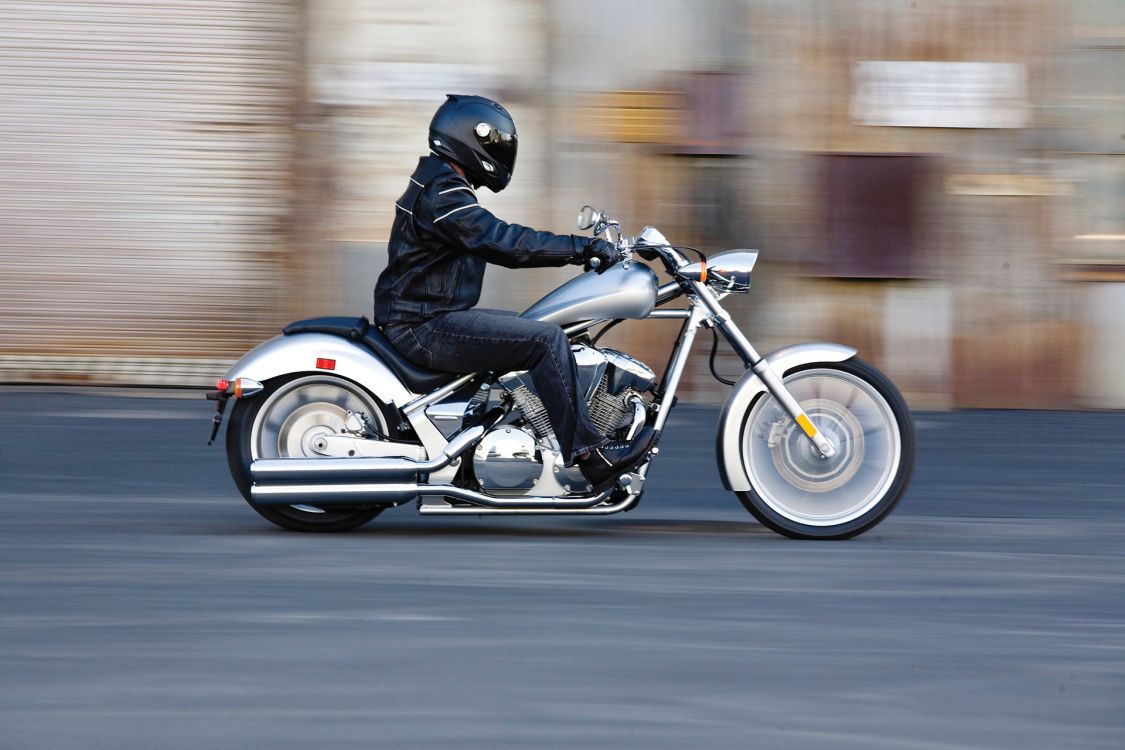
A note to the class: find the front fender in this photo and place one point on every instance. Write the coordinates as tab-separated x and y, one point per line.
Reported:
749	387
285	355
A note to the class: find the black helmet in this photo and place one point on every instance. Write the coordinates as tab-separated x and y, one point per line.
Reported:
479	135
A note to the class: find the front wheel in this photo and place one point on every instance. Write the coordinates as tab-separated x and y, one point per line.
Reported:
795	491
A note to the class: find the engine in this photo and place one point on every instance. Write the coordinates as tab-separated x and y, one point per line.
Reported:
612	382
512	456
617	404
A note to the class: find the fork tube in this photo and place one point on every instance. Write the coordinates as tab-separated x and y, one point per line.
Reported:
741	345
761	367
676	365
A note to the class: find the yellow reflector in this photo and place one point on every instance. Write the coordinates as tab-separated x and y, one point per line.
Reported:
806	425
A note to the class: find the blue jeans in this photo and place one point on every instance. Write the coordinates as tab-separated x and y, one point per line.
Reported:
497	341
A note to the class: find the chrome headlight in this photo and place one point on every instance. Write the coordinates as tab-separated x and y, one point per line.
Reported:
729	272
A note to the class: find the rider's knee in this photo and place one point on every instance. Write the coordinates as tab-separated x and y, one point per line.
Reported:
551	337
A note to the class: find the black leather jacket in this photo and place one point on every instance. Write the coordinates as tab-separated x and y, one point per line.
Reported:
441	240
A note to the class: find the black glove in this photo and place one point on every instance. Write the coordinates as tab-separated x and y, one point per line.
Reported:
605	253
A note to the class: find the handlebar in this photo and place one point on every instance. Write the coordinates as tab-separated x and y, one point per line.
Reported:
649	244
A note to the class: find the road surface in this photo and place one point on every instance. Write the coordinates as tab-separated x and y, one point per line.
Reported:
144	605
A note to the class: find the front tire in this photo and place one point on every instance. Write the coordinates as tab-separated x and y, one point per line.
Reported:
281	422
797	493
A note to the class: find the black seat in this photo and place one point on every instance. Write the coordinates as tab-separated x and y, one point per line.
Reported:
418	379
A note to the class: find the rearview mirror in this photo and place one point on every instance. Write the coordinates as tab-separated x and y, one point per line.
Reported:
588	217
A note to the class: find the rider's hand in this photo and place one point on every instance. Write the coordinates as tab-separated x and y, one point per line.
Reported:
605	253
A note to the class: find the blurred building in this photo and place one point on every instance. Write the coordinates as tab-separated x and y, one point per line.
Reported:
940	184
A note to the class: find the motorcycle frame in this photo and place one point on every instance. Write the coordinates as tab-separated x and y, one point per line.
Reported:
764	375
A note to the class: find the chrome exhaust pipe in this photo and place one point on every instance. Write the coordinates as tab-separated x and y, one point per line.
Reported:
640	416
309	470
333	494
633	483
625	504
398	493
487	501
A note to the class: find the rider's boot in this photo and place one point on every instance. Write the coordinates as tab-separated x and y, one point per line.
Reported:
605	464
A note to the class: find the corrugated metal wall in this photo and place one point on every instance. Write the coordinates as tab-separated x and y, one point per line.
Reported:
145	184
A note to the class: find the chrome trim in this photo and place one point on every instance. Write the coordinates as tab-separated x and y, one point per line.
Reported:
665	293
676	366
628	371
342	445
584	325
421	402
308	508
732	266
640	416
348	469
592	365
669	314
747	389
243	388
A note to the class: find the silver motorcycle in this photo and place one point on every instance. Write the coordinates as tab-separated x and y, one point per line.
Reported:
330	426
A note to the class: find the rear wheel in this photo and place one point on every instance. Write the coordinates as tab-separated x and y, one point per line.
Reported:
283	421
795	491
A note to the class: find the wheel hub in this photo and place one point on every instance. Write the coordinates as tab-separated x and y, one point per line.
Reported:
799	462
304	430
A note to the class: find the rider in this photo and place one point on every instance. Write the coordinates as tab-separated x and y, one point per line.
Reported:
441	240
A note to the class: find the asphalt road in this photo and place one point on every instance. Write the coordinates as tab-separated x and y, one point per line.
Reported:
143	605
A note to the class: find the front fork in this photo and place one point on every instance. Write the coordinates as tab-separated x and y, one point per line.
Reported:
718	316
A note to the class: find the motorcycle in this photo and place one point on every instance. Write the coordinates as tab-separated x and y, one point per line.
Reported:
330	425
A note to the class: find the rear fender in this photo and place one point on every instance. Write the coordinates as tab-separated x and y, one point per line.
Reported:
302	352
747	389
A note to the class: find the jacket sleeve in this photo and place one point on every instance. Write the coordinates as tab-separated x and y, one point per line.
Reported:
458	219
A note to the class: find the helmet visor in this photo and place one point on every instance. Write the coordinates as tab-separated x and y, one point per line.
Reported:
497	144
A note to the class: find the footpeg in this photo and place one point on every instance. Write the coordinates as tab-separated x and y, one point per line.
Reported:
632	483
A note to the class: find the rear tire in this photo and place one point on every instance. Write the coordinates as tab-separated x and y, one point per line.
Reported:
279	423
797	493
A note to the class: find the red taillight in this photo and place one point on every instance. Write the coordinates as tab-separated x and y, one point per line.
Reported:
222	385
325	364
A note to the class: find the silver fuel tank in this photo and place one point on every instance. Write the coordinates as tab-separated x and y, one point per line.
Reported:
620	292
